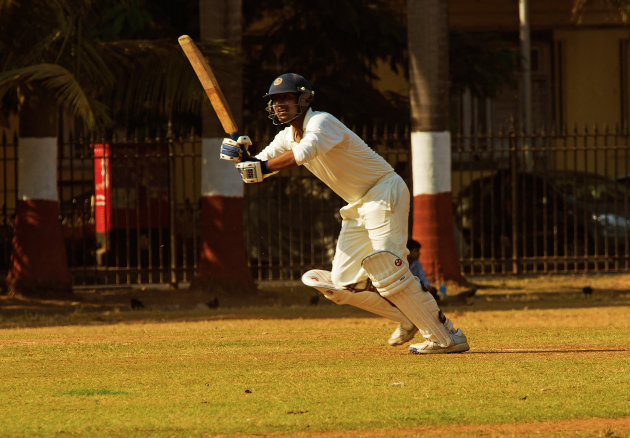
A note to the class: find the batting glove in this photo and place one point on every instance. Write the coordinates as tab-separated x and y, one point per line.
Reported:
235	150
253	171
230	150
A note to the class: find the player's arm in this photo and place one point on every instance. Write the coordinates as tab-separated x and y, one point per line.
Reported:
285	161
254	170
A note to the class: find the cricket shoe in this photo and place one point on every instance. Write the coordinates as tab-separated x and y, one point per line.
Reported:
458	344
402	335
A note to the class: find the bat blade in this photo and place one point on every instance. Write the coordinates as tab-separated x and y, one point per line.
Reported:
210	85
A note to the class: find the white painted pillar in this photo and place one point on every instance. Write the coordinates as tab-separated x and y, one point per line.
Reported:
432	203
38	264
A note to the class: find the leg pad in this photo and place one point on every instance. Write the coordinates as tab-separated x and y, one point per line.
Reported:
393	279
389	273
366	300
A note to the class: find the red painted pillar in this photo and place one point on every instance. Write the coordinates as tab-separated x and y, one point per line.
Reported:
223	259
427	37
38	266
432	205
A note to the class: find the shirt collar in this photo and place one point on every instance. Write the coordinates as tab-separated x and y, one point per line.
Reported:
309	114
307	117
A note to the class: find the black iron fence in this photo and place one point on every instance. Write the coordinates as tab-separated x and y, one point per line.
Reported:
8	193
129	208
554	201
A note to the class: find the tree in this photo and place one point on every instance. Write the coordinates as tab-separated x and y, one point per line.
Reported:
482	63
57	54
33	86
580	7
430	138
222	260
335	44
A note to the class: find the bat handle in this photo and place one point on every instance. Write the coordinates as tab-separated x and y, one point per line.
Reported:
234	136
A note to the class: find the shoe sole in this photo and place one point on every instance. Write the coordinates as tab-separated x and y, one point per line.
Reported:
457	348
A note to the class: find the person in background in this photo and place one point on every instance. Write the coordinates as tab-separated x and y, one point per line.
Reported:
415	266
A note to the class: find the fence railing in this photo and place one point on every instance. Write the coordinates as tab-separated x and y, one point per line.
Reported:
8	196
544	202
553	201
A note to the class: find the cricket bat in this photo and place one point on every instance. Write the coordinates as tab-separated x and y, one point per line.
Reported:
210	85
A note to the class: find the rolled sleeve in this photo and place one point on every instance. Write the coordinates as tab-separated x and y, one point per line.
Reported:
319	137
277	147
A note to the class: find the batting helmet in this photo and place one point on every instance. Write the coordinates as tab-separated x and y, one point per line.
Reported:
290	83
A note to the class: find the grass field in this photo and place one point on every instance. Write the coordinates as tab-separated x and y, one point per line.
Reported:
545	360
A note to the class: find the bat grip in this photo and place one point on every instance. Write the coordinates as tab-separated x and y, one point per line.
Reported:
234	136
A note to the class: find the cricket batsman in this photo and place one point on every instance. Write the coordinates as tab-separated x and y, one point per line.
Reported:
370	268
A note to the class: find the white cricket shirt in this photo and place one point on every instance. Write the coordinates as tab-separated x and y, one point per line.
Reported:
333	153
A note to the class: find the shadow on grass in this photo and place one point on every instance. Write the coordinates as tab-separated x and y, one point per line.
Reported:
538	300
110	306
547	351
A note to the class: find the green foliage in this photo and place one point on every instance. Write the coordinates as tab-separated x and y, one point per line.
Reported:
118	63
95	58
581	6
482	63
64	85
93	391
335	44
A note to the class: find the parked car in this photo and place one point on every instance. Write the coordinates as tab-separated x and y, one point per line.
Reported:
560	213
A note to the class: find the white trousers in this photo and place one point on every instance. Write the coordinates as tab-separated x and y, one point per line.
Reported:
377	221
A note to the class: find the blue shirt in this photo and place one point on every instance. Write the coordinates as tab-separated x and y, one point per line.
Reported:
417	270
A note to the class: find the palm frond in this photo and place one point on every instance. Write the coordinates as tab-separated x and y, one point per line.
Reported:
62	84
6	4
155	76
54	44
579	9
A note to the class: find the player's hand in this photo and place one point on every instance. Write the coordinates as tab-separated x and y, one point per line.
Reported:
230	150
236	150
253	171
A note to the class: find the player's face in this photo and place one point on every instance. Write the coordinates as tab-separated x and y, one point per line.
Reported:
285	106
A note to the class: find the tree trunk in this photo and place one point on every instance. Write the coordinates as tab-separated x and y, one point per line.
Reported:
223	259
38	266
430	138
